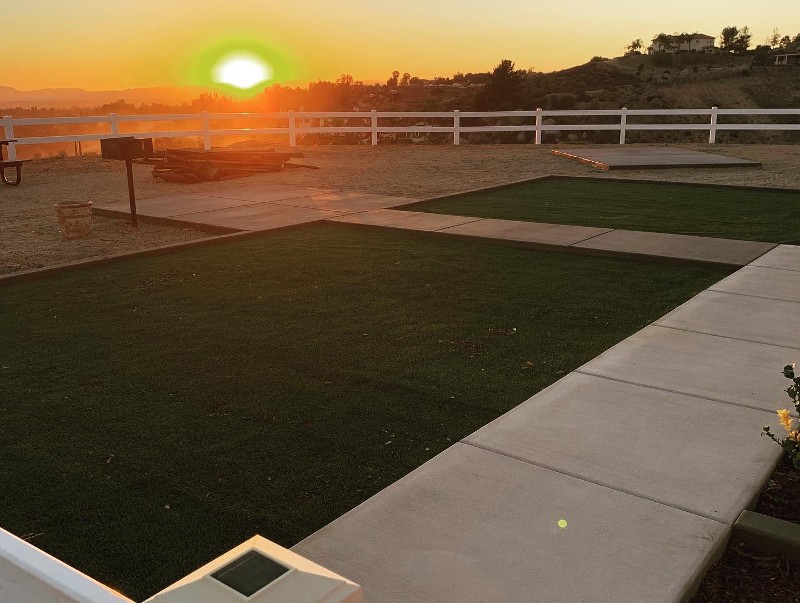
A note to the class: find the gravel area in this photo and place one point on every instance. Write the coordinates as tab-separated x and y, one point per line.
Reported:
30	237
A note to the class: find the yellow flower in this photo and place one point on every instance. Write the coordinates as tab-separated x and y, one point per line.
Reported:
786	420
795	435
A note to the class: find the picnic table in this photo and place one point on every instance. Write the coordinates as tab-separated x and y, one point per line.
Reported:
9	163
197	165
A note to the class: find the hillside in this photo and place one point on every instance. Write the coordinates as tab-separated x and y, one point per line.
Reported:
692	81
636	82
78	97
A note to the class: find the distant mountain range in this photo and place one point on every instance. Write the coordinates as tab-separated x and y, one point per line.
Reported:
78	97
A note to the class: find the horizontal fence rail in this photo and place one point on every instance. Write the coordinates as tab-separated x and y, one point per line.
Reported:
294	123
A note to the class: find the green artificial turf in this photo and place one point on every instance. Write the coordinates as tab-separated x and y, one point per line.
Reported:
157	412
708	211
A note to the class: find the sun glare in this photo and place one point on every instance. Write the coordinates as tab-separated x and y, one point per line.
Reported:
242	71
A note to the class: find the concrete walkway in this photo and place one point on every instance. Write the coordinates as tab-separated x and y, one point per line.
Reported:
617	483
259	208
604	240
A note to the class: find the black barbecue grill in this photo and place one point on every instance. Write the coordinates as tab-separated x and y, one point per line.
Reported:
126	149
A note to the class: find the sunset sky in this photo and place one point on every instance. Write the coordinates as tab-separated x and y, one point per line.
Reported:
116	44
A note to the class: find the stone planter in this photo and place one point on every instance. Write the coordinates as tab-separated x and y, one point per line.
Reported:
75	219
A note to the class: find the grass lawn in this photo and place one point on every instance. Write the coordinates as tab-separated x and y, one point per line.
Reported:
157	412
709	211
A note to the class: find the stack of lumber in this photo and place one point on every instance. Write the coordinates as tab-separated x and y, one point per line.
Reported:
197	165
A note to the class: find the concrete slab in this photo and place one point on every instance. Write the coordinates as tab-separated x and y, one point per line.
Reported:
699	159
656	244
258	216
651	158
264	193
655	444
785	257
411	220
771	321
472	525
181	204
770	283
528	232
730	370
347	201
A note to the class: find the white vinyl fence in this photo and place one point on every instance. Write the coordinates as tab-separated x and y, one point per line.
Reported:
380	122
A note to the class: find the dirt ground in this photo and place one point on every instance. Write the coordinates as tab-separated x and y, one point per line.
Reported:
30	237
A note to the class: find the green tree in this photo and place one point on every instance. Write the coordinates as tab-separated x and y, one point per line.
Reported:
733	39
774	39
666	42
392	81
762	52
742	42
727	37
634	47
503	92
405	79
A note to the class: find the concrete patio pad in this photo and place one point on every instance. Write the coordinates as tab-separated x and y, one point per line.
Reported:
264	193
527	232
472	525
182	204
654	444
785	257
772	283
410	220
651	158
257	216
729	370
656	244
259	207
771	321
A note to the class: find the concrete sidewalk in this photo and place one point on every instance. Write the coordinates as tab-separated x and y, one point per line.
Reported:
626	243
261	208
617	483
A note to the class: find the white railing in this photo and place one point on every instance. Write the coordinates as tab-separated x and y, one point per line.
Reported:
298	123
29	575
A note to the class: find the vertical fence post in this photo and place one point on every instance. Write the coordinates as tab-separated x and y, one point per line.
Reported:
206	131
8	132
292	129
538	125
114	124
456	127
712	131
374	126
623	121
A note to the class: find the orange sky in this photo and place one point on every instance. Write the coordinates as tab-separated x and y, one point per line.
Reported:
116	44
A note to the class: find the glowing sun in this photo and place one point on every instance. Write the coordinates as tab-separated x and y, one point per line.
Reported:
242	71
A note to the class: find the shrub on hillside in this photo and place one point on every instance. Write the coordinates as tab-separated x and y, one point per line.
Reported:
662	59
560	101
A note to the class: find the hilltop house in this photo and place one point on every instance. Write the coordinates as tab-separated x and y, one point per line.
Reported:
790	58
695	42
